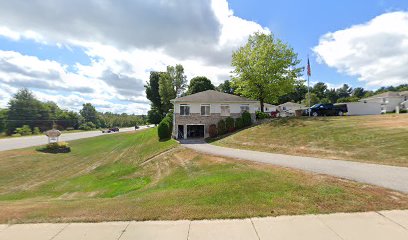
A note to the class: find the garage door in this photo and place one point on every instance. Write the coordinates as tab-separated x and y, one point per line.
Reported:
195	131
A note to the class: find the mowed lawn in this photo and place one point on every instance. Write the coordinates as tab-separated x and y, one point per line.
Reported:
381	139
133	176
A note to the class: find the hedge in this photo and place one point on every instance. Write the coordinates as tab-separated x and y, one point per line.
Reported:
246	119
212	130
229	124
239	123
221	127
165	127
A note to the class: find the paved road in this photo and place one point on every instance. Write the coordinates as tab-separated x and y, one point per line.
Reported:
339	226
391	177
23	142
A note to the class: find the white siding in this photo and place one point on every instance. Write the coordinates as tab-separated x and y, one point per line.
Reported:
360	108
216	107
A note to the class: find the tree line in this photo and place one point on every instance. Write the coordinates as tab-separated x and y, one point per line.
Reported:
26	114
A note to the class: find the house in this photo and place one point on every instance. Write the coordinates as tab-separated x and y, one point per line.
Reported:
268	108
290	107
193	114
388	100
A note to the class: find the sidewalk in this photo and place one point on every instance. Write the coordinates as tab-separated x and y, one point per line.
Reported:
339	226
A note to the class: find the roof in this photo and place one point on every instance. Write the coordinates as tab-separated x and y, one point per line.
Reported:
212	96
291	104
387	94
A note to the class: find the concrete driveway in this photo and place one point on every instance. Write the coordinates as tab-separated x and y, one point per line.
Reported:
339	226
23	142
391	177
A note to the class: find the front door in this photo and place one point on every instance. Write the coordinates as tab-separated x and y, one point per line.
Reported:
180	132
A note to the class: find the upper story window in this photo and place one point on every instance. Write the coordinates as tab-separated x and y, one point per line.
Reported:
244	108
225	110
205	110
184	109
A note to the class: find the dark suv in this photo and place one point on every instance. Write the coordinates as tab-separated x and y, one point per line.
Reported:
327	110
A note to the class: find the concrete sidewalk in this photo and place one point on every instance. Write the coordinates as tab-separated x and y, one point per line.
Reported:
391	177
382	225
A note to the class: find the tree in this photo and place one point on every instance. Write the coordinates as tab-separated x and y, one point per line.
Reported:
320	89
89	113
166	91
25	109
313	99
3	117
344	91
331	94
154	116
225	87
152	90
199	84
265	68
358	92
179	80
297	95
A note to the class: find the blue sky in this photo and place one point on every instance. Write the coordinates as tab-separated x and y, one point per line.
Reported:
73	52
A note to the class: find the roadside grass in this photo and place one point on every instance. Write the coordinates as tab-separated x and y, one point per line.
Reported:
110	179
381	139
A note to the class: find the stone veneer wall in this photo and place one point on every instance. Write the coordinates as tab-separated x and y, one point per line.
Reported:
196	118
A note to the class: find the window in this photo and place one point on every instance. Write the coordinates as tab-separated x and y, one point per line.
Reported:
205	110
244	108
184	110
225	110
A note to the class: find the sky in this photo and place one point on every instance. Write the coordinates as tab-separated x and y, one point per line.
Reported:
102	51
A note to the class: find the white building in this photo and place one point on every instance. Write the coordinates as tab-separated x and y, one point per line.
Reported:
389	100
268	108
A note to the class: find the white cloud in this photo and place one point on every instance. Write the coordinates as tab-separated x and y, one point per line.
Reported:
124	40
376	52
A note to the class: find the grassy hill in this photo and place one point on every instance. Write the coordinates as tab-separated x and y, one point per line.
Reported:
132	176
376	139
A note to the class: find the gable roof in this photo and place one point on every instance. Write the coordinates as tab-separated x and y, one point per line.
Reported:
386	94
212	96
291	104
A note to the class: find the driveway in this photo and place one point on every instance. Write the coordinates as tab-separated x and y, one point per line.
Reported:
391	177
339	226
23	142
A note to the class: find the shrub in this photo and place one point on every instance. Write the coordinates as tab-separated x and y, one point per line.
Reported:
163	130
262	115
246	119
229	124
87	126
24	130
212	130
221	127
36	131
239	123
56	147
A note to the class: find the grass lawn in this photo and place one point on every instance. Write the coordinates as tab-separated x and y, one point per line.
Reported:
381	139
115	177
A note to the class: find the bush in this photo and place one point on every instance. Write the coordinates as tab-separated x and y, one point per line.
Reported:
229	124
239	123
87	126
221	127
262	115
57	147
212	130
164	130
25	130
246	119
36	131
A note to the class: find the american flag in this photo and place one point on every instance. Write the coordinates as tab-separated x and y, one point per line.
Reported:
309	71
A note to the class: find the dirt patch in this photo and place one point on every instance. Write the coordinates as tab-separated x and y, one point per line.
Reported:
394	121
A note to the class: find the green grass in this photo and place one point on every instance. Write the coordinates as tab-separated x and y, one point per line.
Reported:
376	139
107	178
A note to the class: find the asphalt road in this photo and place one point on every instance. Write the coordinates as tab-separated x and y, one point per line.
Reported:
391	177
23	142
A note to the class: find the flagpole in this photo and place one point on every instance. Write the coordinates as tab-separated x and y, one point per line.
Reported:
308	85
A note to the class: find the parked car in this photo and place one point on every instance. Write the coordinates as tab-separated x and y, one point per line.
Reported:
114	129
136	127
327	110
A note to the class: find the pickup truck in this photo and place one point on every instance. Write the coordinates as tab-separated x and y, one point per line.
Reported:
327	109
